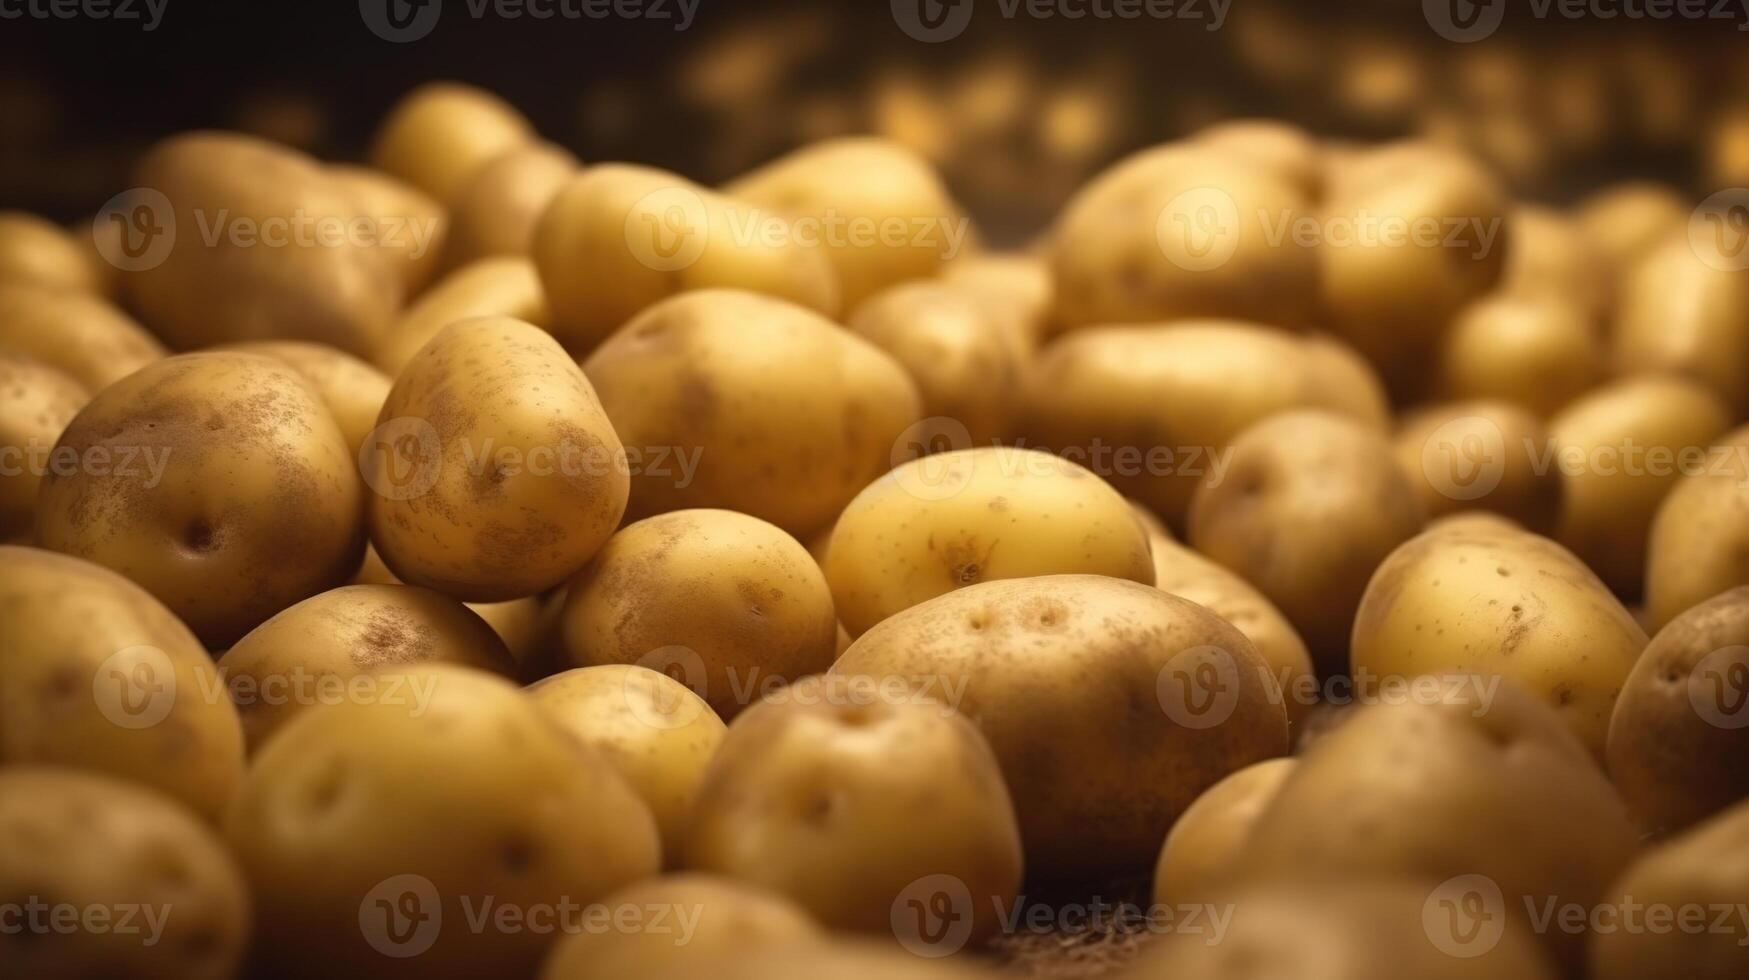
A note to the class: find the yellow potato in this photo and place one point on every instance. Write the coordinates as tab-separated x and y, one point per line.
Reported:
651	727
735	400
1552	257
1310	505
618	239
37	252
505	286
1110	705
371	830
1287	151
442	133
681	922
308	655
955	519
1017	288
880	212
1680	313
496	474
37	402
1207	842
352	390
148	889
1699	543
407	224
1480	455
98	675
495	210
82	335
1536	351
840	959
821	794
1619	450
732	602
1627	220
218	481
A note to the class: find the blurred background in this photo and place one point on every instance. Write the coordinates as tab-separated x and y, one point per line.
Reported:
1017	109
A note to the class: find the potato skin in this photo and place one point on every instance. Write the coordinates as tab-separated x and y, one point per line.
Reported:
954	519
345	633
1628	220
501	286
1206	843
1536	351
242	497
785	415
336	813
1678	314
733	601
1552	257
352	389
1473	599
1017	288
441	133
1699	543
37	401
1480	455
1063	675
90	842
89	662
38	252
1677	751
816	792
505	476
411	228
496	209
94	342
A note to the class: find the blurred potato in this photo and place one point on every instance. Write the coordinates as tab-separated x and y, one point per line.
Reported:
409	225
1207	842
37	252
352	389
36	404
1019	286
1626	220
94	342
441	133
1286	150
503	286
1699	543
1683	314
1552	257
495	210
1535	351
1481	455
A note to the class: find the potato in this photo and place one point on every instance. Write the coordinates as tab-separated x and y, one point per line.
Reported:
505	286
496	472
1689	895
307	655
735	400
98	675
1154	409
1620	449
1206	843
1343	382
36	403
217	481
1110	705
1699	543
651	727
1311	503
619	239
965	359
1627	220
1535	351
839	959
495	210
440	134
1681	314
947	521
371	829
268	245
1480	455
1224	228
352	390
1499	602
1552	257
1478	790
818	794
406	223
1017	288
154	893
733	602
1679	734
686	921
37	252
1286	151
1363	930
881	212
82	335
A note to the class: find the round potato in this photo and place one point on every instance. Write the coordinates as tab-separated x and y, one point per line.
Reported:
37	252
732	602
1018	290
1481	455
682	922
1287	151
218	481
440	134
1205	845
352	389
947	521
495	211
1536	351
1693	886
735	400
82	335
505	286
1681	314
1678	746
1310	505
154	893
1620	449
1699	544
1110	705
371	829
308	655
98	675
496	473
619	239
818	793
1485	600
882	212
1553	258
405	222
654	729
1627	220
37	402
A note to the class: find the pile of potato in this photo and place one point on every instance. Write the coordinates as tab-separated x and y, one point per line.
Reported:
558	573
